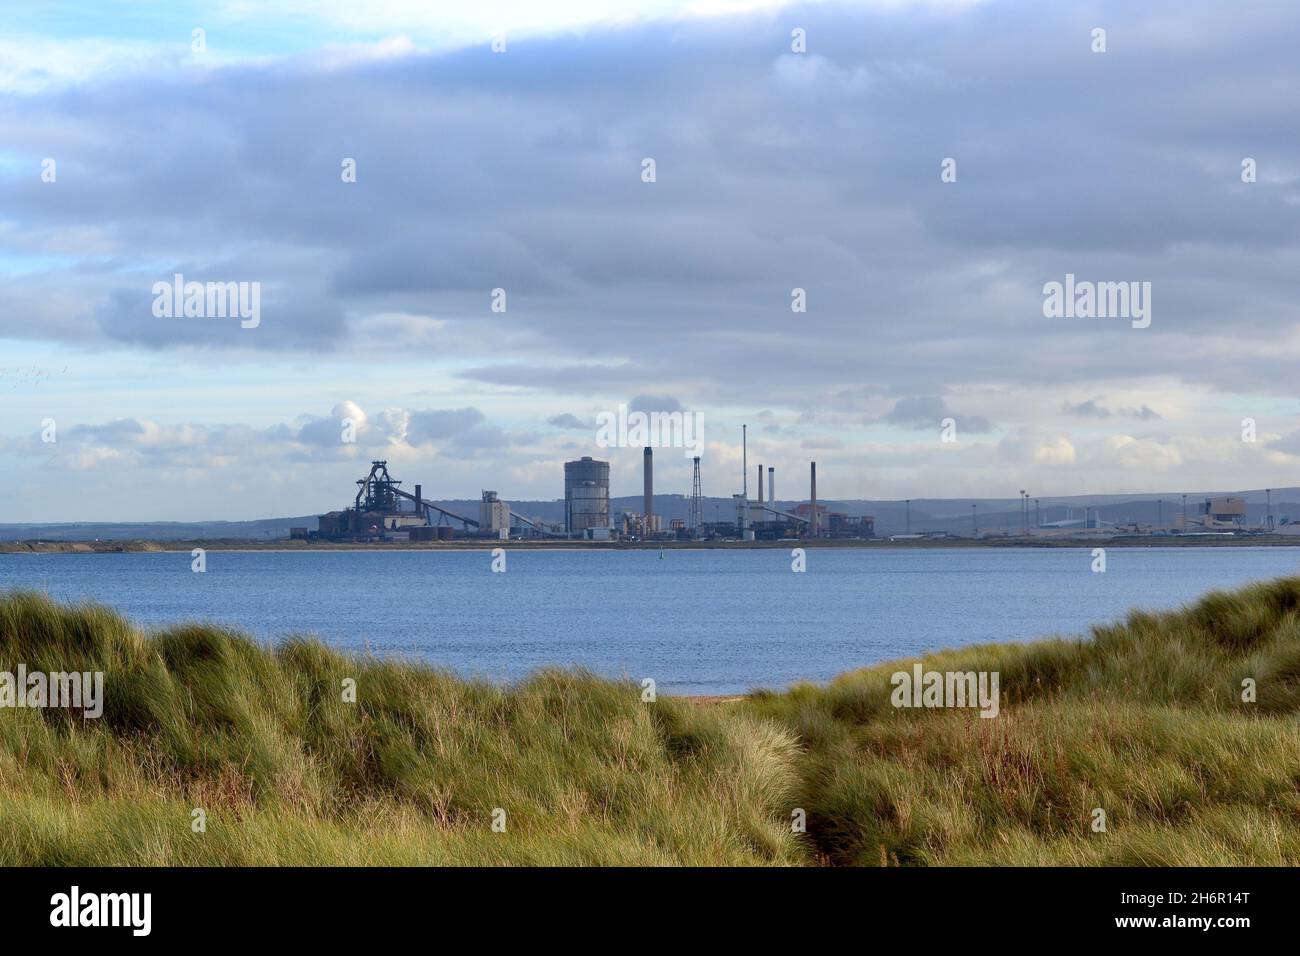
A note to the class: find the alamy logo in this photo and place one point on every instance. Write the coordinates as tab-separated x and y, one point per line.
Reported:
209	300
103	909
922	688
76	690
624	429
1098	300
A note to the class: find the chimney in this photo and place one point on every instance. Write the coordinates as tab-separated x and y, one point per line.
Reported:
744	460
419	503
760	484
812	517
771	485
649	486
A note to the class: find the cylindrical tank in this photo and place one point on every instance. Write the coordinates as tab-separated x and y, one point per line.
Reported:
586	494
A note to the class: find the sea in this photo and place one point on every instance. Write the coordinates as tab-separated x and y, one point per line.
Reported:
695	621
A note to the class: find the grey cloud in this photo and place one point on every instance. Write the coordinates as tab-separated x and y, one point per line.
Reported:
1086	409
480	438
1092	408
1144	413
581	378
285	322
1288	444
928	411
522	173
567	420
118	432
321	432
654	403
458	431
430	427
827	443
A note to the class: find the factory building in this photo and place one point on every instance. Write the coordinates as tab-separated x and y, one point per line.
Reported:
372	523
630	524
383	511
586	496
836	524
494	515
1219	512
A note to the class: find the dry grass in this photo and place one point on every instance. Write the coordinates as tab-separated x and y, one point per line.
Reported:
1144	721
288	772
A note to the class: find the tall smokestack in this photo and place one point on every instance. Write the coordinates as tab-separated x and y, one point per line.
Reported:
744	460
419	503
771	485
649	486
760	484
812	518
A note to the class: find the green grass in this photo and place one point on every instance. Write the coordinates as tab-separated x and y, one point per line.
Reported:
1143	719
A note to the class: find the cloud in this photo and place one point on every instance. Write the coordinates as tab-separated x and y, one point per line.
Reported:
1087	409
928	411
775	171
1144	413
1288	444
535	173
825	443
1091	408
327	432
430	427
815	74
1130	453
345	431
567	420
1030	446
664	404
30	64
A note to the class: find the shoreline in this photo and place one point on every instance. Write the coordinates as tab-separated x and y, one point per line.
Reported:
939	544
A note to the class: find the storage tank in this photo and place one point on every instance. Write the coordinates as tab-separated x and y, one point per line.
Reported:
586	494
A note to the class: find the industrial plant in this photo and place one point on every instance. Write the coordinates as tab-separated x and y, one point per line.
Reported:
382	510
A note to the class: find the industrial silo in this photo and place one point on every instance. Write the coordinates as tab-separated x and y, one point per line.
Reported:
586	494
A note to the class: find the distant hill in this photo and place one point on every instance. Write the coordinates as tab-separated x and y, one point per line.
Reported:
154	530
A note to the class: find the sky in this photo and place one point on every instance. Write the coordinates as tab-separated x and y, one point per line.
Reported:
921	171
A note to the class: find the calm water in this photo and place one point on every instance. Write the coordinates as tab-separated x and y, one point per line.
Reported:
695	621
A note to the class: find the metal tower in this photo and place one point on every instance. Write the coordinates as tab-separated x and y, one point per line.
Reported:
697	499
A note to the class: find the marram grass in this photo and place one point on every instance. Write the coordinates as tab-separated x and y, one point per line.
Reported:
1143	720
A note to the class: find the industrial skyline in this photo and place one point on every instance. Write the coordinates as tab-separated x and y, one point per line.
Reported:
383	511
